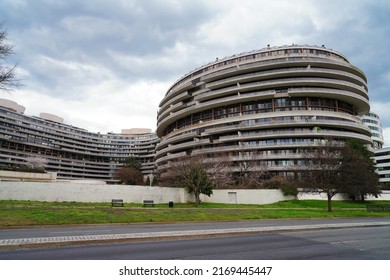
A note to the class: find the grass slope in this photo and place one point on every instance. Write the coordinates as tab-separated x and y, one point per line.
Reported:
26	213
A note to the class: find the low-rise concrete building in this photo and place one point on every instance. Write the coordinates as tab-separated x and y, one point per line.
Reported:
382	159
71	152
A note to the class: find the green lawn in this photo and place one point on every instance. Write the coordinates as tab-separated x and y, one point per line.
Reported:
21	213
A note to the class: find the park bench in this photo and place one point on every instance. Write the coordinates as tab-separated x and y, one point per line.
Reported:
378	208
117	202
148	203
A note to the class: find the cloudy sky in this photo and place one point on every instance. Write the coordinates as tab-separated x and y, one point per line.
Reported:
104	65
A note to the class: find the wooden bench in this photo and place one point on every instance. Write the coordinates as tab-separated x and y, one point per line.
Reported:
378	208
117	202
148	203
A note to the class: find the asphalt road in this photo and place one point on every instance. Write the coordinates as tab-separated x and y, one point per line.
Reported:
369	243
83	230
343	243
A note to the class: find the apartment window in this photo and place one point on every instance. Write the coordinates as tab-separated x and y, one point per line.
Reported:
370	121
345	107
184	122
257	107
207	115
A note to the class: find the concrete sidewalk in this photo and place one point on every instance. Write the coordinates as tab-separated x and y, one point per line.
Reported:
149	236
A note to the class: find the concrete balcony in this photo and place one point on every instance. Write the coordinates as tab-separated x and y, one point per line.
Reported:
309	134
182	88
299	72
285	83
178	98
171	109
178	147
311	121
163	122
285	61
170	157
171	139
360	102
267	146
266	168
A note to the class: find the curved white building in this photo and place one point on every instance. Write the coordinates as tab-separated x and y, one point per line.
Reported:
373	121
265	106
72	152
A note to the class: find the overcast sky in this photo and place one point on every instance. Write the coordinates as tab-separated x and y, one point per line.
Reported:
104	65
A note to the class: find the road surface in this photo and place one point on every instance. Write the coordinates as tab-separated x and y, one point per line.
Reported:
305	239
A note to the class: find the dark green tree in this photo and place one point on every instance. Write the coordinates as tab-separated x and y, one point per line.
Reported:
358	176
130	172
132	162
147	182
154	181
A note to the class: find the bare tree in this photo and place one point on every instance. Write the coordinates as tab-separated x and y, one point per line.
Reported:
252	170
190	173
321	173
219	169
199	174
7	73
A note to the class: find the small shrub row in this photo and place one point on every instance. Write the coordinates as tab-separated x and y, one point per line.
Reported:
22	169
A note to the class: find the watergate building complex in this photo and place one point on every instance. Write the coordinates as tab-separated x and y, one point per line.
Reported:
263	107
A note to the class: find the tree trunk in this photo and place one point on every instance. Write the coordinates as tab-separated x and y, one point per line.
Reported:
329	202
197	199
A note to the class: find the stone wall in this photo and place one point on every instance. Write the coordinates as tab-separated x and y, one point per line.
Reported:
72	191
67	191
240	196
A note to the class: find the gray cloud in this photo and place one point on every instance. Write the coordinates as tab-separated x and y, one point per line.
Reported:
54	37
76	51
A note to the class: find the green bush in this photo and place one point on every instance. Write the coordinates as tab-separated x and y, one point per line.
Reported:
22	169
289	188
275	182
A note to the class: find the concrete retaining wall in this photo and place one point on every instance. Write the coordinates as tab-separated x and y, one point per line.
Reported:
304	196
27	176
240	196
89	192
72	191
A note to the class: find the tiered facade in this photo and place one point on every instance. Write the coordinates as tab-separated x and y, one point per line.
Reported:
263	108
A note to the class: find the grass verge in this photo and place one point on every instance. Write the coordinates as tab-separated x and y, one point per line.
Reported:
27	213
